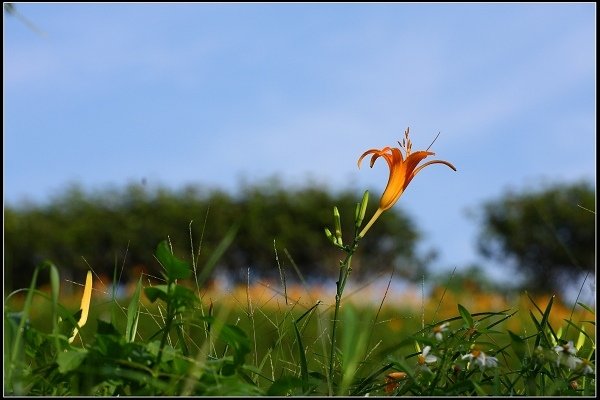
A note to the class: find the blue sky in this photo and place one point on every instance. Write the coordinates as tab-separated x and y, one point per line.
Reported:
178	94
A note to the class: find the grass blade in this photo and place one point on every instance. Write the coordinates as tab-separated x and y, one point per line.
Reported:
133	313
303	363
217	253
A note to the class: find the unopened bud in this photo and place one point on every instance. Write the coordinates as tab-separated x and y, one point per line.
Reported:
330	236
338	225
361	209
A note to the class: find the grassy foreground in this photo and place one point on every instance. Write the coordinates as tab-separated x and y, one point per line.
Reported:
274	339
174	336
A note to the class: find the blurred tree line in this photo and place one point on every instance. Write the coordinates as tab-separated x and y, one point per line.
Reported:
548	235
111	228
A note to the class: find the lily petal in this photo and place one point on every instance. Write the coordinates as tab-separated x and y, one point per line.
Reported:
402	171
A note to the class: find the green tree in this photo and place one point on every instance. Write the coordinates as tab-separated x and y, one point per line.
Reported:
120	228
549	234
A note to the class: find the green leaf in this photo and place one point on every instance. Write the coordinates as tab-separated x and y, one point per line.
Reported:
68	323
133	314
156	292
547	311
238	340
183	298
55	288
286	386
55	285
478	389
582	335
518	345
303	363
540	331
106	328
353	347
545	319
466	316
108	342
70	360
180	296
586	307
14	351
217	253
176	268
227	386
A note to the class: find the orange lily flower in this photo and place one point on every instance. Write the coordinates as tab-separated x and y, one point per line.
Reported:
402	171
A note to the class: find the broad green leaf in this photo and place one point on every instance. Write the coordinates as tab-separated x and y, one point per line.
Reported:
183	298
156	292
237	339
353	348
70	360
175	268
106	328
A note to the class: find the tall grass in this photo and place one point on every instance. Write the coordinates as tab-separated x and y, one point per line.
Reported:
176	337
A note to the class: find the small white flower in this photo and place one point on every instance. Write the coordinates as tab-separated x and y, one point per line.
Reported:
566	355
439	329
488	361
586	367
567	348
480	358
425	358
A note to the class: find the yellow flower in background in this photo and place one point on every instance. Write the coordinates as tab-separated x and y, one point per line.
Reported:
402	170
85	305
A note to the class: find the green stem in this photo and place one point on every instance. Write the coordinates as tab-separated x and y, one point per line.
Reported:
340	284
168	322
345	272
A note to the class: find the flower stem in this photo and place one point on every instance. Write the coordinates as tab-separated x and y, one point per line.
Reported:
340	284
343	278
371	221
